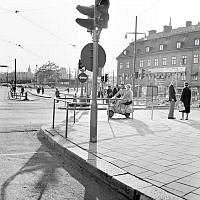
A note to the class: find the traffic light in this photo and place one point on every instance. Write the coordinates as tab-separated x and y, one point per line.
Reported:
80	65
106	77
102	15
102	78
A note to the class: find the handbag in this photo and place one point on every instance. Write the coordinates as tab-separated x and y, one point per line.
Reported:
180	106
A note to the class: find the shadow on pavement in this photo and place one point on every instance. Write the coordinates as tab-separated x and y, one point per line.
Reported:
47	161
193	123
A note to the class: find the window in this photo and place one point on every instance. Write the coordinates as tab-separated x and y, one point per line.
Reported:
127	65
173	60
196	59
121	65
164	61
183	76
178	45
184	60
196	42
161	47
194	77
156	61
148	63
141	63
147	49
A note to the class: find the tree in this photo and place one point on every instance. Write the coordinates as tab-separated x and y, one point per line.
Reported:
48	73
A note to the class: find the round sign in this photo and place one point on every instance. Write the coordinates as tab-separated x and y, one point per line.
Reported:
87	56
82	77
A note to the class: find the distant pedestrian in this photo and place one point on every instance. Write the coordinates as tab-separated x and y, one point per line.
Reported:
38	90
172	100
57	94
186	98
42	90
22	91
68	90
115	90
109	93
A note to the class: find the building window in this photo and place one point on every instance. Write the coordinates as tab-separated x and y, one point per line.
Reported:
149	63
164	61
121	65
184	60
161	47
127	65
196	59
156	61
147	49
178	45
194	77
173	60
183	76
196	42
141	63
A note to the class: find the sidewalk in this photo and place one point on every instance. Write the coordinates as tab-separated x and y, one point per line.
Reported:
154	159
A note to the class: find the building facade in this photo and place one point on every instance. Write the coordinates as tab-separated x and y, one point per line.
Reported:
173	54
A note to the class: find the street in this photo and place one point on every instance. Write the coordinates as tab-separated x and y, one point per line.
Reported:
29	170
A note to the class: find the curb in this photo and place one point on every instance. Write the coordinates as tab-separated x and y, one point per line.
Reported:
119	180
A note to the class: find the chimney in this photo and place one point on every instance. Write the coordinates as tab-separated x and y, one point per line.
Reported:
151	32
188	23
167	29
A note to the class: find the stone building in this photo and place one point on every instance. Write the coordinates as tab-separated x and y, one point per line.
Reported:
172	54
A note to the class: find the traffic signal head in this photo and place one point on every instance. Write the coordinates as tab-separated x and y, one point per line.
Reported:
102	78
80	65
102	15
106	77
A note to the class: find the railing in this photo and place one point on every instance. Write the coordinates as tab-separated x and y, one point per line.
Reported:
15	95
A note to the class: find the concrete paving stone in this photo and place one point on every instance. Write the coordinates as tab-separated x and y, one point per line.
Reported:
173	191
153	182
191	181
146	174
132	169
140	163
155	168
188	168
177	173
163	178
195	163
197	191
183	161
120	163
79	152
162	162
184	189
196	175
192	196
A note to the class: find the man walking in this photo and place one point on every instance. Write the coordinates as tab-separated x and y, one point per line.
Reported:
172	100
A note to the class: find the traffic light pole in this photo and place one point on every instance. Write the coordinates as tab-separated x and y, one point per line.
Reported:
93	113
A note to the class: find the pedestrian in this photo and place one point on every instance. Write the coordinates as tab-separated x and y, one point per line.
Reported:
14	89
38	90
186	98
22	91
68	90
115	90
57	94
42	90
172	100
109	93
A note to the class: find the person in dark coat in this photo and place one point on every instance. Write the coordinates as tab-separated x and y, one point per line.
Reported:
186	98
115	90
172	100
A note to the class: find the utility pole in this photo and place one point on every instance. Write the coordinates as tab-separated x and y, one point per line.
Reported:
134	61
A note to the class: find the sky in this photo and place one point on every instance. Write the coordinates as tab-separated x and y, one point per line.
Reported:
45	30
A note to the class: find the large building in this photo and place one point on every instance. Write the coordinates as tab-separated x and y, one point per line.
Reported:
172	54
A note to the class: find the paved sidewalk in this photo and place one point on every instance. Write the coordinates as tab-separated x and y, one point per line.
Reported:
163	153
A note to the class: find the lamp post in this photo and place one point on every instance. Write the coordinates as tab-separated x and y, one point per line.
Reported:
135	55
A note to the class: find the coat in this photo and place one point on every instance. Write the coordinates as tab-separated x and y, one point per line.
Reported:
186	98
172	93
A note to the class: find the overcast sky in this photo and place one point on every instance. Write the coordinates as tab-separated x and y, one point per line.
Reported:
46	29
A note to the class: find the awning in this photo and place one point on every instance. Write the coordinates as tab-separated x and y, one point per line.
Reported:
166	69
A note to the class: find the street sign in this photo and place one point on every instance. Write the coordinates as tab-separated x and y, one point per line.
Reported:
82	77
87	56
